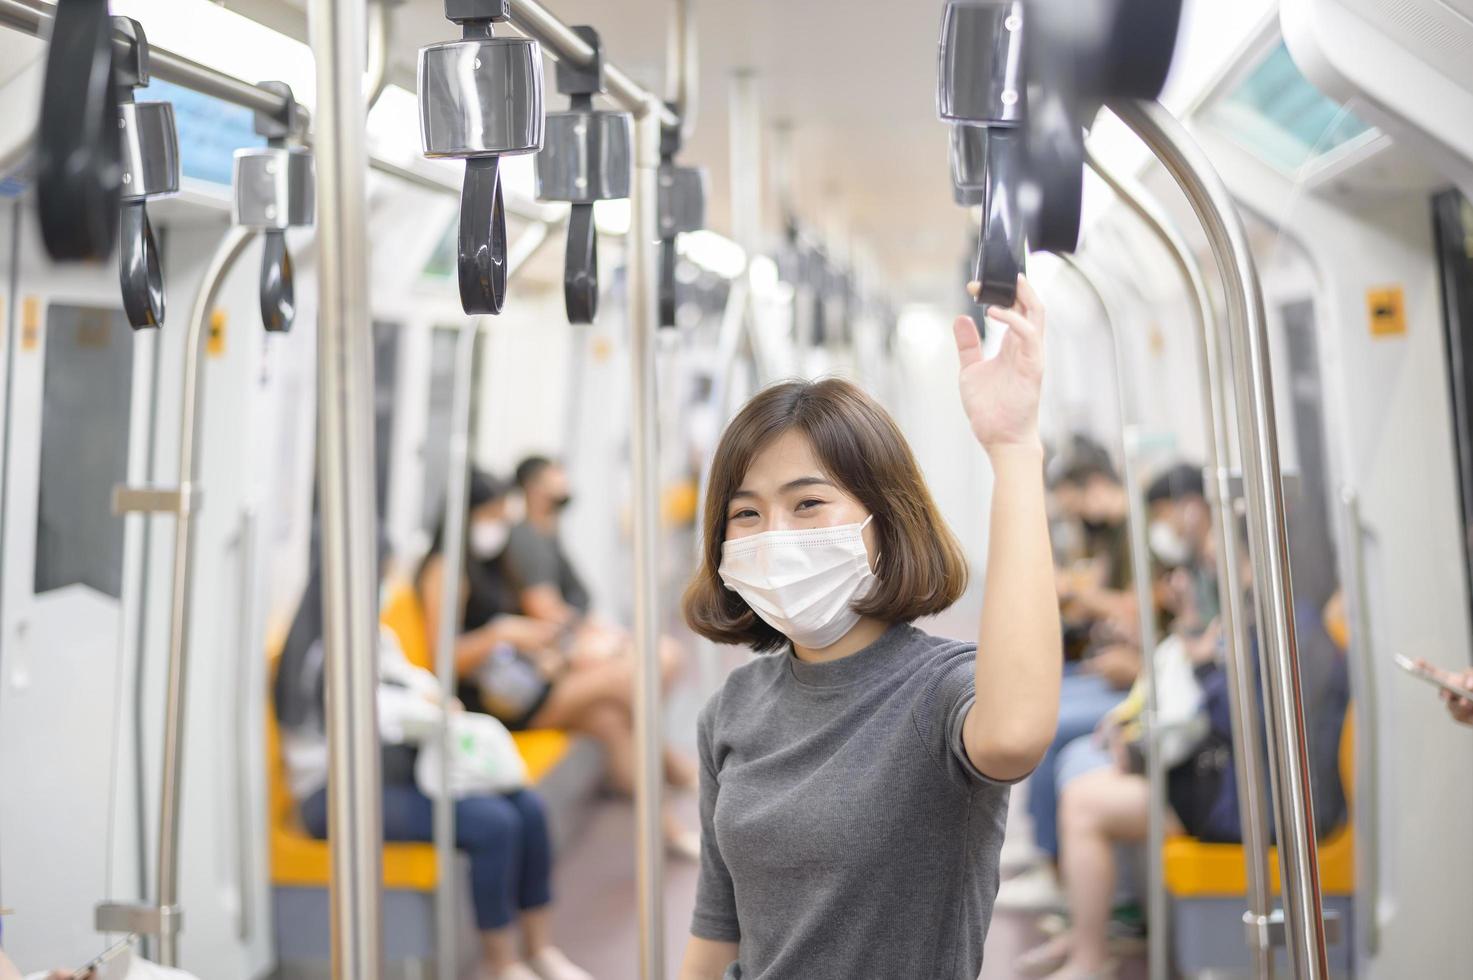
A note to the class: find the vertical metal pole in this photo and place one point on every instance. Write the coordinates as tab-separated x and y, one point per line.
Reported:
643	325
452	555
1140	565
1247	763
1267	527
1365	809
346	490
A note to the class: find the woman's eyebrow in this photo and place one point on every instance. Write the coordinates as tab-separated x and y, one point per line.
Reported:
805	481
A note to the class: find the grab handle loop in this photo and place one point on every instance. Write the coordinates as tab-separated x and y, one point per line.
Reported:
139	270
79	152
667	282
1002	245
580	269
481	258
278	286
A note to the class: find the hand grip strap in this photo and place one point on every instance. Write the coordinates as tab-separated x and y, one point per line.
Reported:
278	286
580	268
1002	245
481	257
139	271
78	152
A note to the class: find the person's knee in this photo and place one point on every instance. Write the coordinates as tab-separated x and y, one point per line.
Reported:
487	823
531	811
605	721
671	658
1078	808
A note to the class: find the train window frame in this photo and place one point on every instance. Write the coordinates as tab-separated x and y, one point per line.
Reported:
79	540
1452	222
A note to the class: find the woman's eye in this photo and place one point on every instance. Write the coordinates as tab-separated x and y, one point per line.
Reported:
809	504
739	515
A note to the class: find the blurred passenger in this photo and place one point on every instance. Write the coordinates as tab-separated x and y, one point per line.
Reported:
1104	792
1094	588
505	835
533	673
546	584
854	783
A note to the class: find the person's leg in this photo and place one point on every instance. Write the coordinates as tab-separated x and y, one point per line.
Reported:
1084	699
1096	811
593	684
488	829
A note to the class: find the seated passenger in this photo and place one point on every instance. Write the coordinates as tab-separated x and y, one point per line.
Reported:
533	673
1104	793
506	835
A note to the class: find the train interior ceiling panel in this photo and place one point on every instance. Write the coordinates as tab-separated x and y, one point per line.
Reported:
513	489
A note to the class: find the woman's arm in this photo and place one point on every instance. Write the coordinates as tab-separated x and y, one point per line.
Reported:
1019	646
706	959
471	648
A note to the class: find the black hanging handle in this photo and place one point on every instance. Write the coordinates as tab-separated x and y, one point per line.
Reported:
667	282
580	267
481	257
78	152
1001	248
139	270
278	284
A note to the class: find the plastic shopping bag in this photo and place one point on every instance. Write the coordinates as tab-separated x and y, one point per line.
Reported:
483	759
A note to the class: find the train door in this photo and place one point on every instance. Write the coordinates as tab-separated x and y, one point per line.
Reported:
1370	248
77	423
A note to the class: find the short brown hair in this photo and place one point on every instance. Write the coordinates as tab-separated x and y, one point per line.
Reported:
922	570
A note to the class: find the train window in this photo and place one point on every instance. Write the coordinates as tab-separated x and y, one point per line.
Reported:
385	389
1453	221
86	394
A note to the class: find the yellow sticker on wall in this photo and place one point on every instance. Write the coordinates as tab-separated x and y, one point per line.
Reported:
215	342
1387	310
30	323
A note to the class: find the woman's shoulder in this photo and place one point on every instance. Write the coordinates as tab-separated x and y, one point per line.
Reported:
918	642
743	683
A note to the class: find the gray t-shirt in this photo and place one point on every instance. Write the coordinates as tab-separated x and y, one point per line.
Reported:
845	834
533	558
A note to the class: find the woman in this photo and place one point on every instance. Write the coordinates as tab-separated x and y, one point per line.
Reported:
854	786
505	835
533	674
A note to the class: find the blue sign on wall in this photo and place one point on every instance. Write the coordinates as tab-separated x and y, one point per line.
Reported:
210	131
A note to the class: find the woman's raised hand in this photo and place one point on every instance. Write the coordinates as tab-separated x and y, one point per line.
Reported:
1000	396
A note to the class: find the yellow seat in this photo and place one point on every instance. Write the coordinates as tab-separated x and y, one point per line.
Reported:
298	858
1193	869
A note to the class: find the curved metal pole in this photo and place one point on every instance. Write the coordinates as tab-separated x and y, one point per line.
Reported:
346	491
682	64
192	401
643	265
1140	561
376	76
1267	531
1247	763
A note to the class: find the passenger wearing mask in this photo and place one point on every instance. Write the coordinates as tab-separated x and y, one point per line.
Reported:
1103	790
534	673
546	584
505	835
854	782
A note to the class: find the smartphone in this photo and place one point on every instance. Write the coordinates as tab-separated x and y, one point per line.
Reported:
1423	673
112	952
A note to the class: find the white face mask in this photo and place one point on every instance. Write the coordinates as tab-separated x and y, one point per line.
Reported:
802	583
1168	546
488	538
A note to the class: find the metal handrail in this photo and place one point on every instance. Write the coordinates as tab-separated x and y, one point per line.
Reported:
1140	560
1366	813
1267	526
1241	690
